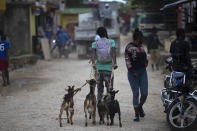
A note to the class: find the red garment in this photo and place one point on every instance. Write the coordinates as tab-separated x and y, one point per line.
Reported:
126	17
3	64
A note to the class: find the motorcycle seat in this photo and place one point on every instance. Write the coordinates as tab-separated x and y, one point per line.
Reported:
177	75
177	78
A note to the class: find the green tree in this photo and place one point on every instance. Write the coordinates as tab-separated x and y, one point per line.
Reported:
128	6
143	4
74	3
149	4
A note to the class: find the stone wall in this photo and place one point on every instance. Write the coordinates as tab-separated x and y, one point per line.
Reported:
54	2
16	27
20	61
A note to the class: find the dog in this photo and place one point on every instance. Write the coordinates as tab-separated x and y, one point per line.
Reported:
68	105
90	102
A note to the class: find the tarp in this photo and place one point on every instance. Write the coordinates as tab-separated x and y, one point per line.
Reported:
175	4
120	1
2	5
45	48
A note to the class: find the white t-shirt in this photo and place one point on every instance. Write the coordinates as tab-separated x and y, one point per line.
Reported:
97	37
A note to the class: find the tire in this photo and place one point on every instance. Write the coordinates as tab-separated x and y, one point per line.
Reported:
174	111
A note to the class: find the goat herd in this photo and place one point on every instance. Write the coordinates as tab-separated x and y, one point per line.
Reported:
107	106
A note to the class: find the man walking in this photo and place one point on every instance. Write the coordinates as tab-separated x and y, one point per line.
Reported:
153	47
107	14
4	60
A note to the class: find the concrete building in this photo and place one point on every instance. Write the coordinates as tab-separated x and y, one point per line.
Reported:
186	18
20	20
68	18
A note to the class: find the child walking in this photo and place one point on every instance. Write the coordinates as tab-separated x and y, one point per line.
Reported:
4	60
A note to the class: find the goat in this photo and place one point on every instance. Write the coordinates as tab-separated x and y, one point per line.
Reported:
90	102
68	104
102	111
112	107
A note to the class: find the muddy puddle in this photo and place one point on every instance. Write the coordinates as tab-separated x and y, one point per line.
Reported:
28	84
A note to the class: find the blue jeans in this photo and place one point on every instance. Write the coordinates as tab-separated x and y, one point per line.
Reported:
104	77
139	84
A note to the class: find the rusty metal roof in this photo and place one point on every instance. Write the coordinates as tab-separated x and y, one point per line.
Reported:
175	4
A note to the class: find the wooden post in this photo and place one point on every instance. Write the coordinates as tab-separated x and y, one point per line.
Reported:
179	18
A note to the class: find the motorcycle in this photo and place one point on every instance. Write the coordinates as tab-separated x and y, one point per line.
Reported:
124	29
63	49
179	101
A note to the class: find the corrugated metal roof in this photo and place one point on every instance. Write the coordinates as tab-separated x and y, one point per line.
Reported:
175	4
33	1
120	1
76	10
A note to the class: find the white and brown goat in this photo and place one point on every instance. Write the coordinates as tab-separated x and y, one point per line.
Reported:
68	105
90	102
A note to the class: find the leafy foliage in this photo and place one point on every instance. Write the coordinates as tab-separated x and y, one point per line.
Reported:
74	3
130	5
143	4
156	4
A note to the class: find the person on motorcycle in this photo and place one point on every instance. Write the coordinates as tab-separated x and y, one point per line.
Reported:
180	102
62	38
179	50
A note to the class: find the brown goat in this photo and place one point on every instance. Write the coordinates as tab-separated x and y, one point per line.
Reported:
90	103
68	104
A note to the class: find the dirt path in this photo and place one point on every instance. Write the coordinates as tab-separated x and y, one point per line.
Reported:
33	100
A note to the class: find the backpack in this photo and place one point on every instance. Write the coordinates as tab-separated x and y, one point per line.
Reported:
103	51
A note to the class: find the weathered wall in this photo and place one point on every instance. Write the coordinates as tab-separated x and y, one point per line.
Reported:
54	2
16	26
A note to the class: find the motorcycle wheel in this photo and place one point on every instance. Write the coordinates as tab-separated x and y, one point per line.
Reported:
184	122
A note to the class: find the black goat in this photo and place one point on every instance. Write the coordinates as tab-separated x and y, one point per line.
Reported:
112	107
102	111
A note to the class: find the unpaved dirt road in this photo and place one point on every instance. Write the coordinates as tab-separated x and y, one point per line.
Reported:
32	101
